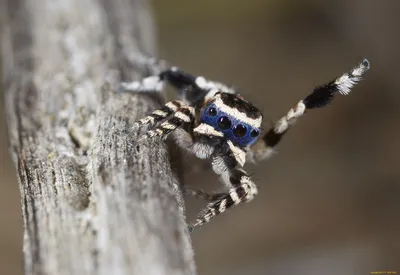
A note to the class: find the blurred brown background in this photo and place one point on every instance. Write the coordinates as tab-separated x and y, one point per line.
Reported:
329	202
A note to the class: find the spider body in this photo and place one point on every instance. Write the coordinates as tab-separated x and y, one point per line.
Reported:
213	122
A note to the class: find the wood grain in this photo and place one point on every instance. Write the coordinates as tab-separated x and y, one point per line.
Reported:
93	200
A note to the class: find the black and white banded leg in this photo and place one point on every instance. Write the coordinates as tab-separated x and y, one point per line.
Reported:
185	116
226	162
243	190
193	89
158	115
320	97
181	79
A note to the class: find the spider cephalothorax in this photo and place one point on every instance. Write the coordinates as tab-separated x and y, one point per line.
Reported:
212	121
233	118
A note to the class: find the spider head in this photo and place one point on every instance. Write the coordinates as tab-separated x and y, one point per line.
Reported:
233	118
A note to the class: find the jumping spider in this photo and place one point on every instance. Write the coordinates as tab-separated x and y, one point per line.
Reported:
212	121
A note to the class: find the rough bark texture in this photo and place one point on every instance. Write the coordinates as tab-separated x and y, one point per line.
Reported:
93	200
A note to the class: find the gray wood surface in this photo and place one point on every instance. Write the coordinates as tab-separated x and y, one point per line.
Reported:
93	200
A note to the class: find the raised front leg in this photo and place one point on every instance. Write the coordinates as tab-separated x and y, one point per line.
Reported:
320	97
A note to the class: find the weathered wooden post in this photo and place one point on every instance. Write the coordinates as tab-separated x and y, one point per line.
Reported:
93	201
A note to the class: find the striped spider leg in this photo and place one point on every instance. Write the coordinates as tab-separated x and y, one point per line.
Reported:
321	96
183	117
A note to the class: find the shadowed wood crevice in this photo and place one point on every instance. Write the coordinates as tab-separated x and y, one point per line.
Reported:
93	200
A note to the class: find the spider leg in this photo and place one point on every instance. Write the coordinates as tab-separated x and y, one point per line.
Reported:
184	116
148	84
243	190
320	97
158	115
227	161
193	89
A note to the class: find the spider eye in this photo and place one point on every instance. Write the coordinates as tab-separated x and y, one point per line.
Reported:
212	111
240	130
254	133
224	123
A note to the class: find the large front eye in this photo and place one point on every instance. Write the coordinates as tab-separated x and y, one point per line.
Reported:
212	111
224	123
240	130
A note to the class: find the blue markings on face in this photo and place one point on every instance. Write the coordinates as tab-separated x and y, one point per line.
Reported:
240	133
